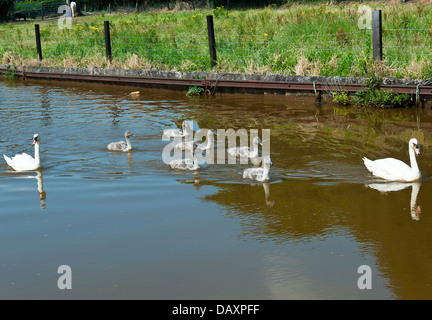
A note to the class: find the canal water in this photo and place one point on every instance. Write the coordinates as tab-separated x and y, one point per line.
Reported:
130	227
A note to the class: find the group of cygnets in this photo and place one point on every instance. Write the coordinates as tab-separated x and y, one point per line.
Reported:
389	169
255	173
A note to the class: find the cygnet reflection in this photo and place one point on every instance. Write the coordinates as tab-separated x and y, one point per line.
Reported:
196	181
268	200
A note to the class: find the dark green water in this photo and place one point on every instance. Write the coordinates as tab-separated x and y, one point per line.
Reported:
131	228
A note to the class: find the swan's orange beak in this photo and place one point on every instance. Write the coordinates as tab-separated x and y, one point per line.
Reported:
34	141
416	149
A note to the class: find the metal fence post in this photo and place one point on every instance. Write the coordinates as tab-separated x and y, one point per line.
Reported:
377	35
212	42
107	41
38	42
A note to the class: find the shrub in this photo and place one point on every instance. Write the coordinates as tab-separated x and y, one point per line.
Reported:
382	98
341	98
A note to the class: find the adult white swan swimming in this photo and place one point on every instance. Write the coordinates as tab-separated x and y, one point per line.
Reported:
24	161
394	169
123	146
261	173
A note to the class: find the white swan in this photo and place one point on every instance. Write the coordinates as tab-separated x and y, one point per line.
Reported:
185	164
241	152
396	170
122	145
261	173
23	161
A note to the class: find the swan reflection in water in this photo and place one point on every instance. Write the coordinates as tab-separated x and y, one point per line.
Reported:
397	186
268	200
266	186
42	193
195	181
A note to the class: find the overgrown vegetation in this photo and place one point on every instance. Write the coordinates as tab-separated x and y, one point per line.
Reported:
10	74
380	98
373	96
313	38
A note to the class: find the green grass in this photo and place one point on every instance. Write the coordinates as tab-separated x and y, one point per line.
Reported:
303	39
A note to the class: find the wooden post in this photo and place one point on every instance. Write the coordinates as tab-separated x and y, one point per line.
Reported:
38	42
212	42
107	41
377	35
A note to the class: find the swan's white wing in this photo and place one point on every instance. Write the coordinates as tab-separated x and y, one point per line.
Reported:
183	164
253	173
173	133
8	160
117	146
21	162
243	152
389	169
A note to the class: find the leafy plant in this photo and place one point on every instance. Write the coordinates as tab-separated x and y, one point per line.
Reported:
195	91
341	97
10	75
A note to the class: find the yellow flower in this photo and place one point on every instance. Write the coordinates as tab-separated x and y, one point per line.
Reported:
413	16
266	34
303	12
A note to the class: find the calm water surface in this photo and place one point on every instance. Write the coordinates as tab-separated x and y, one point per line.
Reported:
131	228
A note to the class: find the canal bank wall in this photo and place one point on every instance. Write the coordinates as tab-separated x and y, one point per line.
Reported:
219	82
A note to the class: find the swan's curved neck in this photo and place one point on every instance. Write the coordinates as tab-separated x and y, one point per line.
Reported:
129	145
266	167
37	154
195	164
413	160
254	149
209	139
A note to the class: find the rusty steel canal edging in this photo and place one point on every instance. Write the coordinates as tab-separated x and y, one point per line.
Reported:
216	81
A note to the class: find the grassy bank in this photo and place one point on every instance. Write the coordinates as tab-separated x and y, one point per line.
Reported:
304	39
